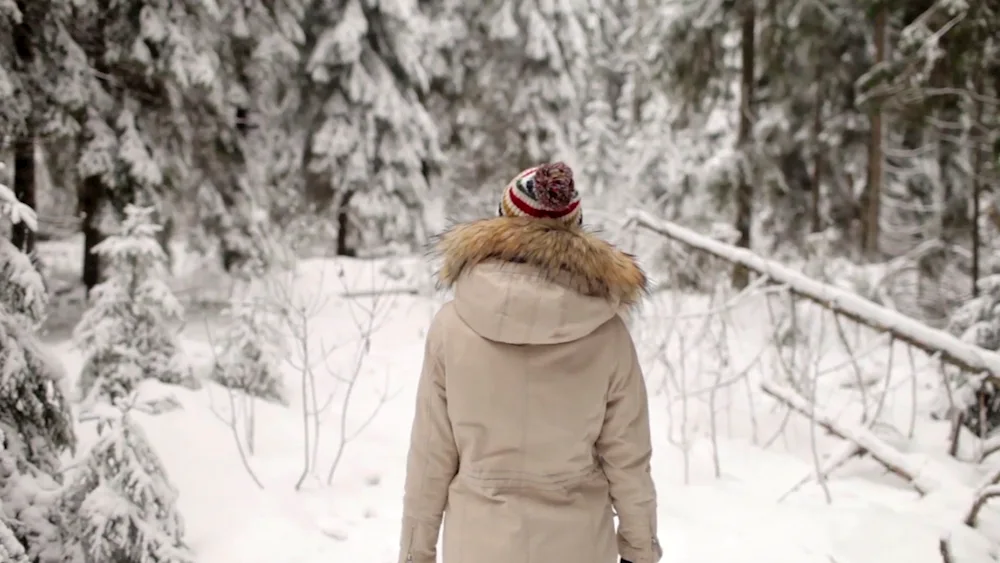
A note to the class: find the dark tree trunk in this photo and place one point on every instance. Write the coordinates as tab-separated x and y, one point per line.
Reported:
24	188
815	223
24	144
343	225
90	198
870	230
977	191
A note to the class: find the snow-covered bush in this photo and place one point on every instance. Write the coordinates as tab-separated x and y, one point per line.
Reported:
251	353
119	506
126	334
36	424
978	322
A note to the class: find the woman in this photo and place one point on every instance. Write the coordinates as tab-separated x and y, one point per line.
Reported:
532	421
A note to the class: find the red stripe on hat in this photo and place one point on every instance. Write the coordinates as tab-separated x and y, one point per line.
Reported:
541	213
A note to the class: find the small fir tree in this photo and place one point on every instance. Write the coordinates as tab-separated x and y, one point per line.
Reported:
126	333
120	506
36	424
251	353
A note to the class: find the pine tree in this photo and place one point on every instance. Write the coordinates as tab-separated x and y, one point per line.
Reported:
509	82
232	142
355	133
627	145
30	397
126	333
36	424
120	506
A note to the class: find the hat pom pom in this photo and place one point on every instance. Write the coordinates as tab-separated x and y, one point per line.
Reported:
554	185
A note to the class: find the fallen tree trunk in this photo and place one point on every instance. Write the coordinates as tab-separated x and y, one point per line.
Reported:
925	475
952	350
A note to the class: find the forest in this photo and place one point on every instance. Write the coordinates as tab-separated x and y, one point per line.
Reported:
846	152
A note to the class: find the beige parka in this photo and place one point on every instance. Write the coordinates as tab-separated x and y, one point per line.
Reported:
532	421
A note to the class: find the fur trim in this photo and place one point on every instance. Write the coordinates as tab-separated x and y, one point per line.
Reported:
595	266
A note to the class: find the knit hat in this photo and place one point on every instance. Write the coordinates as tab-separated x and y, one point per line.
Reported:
545	191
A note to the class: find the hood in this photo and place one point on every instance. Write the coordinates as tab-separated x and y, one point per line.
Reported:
534	281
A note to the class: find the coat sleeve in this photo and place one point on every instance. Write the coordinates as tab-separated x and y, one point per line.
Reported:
625	450
432	461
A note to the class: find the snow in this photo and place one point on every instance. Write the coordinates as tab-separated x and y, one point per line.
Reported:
733	518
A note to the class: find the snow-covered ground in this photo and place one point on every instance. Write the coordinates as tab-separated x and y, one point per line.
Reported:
737	516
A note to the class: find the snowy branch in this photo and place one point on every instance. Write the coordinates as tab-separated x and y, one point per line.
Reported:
932	341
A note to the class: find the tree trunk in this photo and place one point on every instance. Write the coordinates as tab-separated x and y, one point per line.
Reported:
817	171
24	144
871	210
90	198
164	236
977	190
343	224
744	191
24	188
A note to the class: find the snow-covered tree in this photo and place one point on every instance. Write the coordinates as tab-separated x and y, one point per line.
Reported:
509	81
237	143
36	424
251	353
31	399
120	507
125	101
126	333
346	119
627	148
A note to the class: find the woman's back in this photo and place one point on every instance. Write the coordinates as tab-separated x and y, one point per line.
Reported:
526	420
532	419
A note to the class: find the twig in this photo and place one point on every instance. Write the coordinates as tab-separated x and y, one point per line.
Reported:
858	375
231	421
814	390
944	548
366	329
984	496
835	461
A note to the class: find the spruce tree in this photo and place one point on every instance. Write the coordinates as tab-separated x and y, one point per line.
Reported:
36	424
126	334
